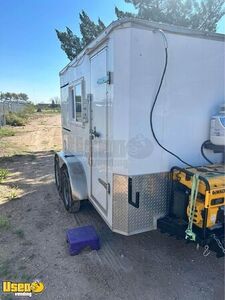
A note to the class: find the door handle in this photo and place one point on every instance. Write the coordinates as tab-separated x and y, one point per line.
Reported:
106	185
94	133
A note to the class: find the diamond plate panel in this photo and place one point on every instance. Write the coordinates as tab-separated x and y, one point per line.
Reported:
120	203
153	191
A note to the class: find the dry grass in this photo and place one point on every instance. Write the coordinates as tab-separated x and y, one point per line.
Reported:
3	174
4	223
6	131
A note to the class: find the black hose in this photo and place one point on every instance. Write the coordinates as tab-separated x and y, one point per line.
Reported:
203	154
209	161
152	110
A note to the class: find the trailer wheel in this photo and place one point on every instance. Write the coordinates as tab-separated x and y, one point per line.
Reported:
70	205
57	174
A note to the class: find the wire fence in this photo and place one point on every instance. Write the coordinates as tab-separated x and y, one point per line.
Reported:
7	106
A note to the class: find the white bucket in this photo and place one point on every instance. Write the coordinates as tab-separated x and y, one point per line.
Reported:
217	131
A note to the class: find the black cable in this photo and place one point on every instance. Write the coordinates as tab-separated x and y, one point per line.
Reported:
209	161
152	110
203	154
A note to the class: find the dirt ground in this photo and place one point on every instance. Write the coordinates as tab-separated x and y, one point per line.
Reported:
33	245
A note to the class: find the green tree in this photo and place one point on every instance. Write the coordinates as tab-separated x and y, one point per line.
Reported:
8	96
203	15
120	14
89	29
71	44
22	96
13	96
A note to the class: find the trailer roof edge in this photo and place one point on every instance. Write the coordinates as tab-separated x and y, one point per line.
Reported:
133	22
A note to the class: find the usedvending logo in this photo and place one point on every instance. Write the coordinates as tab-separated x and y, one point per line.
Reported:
23	288
139	147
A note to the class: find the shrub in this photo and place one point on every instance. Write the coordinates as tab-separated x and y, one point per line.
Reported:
29	109
14	119
19	233
4	131
3	174
4	223
20	118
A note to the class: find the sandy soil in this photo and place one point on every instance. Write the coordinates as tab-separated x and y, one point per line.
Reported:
33	244
42	133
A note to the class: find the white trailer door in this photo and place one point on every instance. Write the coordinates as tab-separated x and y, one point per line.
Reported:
98	130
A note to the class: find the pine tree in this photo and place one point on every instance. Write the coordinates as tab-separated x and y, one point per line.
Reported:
203	15
71	44
120	14
89	29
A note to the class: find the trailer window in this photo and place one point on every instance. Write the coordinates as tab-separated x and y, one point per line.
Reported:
78	101
72	102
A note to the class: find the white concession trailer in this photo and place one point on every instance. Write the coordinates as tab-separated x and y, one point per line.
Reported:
110	153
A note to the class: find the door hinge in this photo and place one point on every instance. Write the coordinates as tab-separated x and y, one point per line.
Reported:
106	79
90	160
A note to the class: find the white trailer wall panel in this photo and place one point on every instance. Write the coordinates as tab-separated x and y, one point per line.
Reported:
192	92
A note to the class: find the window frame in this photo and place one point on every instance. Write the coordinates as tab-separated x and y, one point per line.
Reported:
81	102
72	114
72	104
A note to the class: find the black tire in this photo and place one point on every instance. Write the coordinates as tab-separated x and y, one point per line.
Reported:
70	205
57	173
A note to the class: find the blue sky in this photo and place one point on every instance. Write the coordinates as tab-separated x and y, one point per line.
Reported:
30	54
